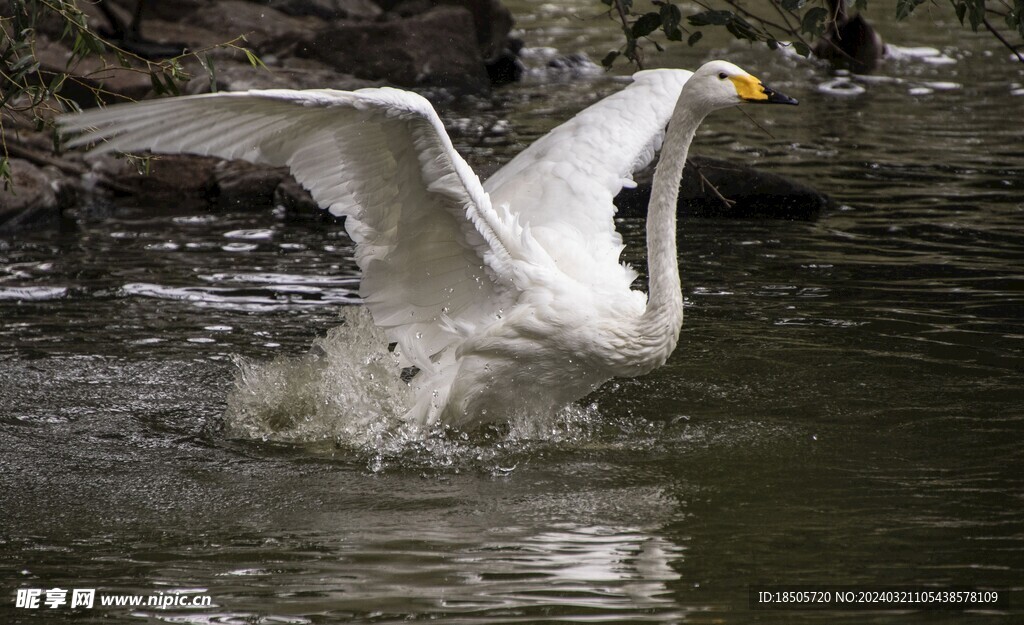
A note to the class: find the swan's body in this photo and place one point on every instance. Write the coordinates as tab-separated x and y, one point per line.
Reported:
507	296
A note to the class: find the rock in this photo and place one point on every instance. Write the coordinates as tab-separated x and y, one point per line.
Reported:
757	194
33	200
492	22
240	184
436	49
329	9
506	68
170	11
295	199
239	76
47	22
172	179
267	30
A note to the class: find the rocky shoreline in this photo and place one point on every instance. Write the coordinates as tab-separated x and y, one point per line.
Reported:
434	46
437	47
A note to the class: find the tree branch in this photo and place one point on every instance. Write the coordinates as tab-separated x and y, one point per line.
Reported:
998	35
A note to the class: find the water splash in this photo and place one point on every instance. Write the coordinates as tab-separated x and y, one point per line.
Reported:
348	391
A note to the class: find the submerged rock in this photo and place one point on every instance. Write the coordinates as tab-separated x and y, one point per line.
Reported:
755	194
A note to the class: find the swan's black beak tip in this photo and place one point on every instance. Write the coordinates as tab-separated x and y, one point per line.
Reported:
774	97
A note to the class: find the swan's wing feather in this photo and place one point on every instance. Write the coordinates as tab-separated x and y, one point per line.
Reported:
563	185
433	251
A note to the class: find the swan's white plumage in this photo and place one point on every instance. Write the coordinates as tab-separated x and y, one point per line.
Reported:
564	183
429	243
507	296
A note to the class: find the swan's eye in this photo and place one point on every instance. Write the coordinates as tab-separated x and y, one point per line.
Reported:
722	75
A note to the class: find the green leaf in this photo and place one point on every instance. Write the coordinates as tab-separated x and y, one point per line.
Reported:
976	13
155	82
172	86
5	172
694	38
253	59
23	62
1015	18
793	5
211	71
961	12
647	24
742	29
801	49
609	59
905	7
711	18
56	83
670	19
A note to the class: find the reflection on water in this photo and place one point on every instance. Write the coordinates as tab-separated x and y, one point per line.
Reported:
845	406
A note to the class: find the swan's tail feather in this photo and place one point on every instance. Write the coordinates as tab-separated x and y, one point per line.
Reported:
433	393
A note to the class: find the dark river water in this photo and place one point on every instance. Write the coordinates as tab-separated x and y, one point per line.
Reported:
845	406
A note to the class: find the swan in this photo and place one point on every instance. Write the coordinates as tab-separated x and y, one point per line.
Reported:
508	297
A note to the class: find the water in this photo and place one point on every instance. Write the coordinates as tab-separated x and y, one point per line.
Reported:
845	406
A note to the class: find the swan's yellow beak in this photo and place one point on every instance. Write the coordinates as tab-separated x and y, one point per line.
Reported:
753	90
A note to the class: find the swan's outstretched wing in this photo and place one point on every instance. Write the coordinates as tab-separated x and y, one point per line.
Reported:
563	185
431	247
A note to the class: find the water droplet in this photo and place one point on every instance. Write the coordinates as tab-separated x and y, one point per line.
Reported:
419	335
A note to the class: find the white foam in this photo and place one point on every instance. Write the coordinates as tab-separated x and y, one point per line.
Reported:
255	234
348	391
347	388
925	54
32	293
841	86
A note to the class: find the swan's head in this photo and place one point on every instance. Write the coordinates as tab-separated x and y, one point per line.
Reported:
723	84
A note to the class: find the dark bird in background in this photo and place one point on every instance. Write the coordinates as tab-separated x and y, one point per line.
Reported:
849	42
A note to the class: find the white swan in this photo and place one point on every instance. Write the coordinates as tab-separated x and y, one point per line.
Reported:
507	296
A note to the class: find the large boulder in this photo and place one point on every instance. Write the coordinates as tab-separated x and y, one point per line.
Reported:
435	49
754	194
166	180
492	24
328	9
298	74
170	11
267	30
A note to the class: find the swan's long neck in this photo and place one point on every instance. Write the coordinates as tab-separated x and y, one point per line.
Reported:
657	330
